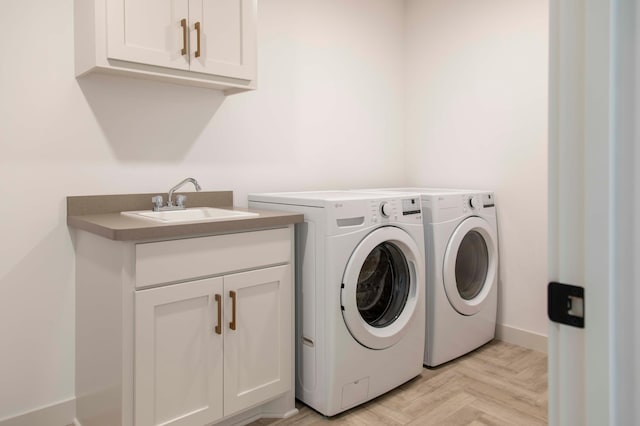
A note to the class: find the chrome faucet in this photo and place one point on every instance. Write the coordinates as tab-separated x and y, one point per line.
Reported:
178	186
180	199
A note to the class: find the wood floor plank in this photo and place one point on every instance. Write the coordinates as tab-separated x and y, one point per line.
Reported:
470	415
506	413
383	411
499	384
493	380
505	397
448	408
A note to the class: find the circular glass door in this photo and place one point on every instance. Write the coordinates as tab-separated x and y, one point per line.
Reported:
383	285
380	290
470	265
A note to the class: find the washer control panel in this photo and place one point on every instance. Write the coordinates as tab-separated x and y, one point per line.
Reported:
378	210
410	206
397	210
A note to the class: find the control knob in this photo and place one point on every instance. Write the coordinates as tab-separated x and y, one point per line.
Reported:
385	209
474	202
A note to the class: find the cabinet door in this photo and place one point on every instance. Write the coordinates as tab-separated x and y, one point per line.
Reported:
148	32
257	353
178	354
227	37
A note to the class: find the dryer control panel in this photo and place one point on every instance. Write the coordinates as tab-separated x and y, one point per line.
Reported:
478	201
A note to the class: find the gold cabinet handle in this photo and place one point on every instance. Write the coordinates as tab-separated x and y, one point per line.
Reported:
198	38
232	324
183	24
219	302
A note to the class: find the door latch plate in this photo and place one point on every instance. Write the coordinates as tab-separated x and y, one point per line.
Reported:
565	304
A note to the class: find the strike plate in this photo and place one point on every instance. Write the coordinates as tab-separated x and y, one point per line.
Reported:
565	304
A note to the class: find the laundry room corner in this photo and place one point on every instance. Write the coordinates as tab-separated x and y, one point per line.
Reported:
477	118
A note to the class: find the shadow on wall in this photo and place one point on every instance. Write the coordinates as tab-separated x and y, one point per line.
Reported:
148	120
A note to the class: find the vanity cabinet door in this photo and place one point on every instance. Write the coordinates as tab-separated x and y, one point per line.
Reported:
179	354
227	37
258	364
149	32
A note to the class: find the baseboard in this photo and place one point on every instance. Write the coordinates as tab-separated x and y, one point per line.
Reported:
517	336
60	414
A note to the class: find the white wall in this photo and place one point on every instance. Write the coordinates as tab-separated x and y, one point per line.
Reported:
477	117
328	114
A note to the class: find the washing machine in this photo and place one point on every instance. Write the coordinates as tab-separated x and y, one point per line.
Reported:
461	247
360	305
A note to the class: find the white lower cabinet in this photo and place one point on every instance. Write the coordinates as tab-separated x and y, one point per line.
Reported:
211	348
179	366
195	351
256	367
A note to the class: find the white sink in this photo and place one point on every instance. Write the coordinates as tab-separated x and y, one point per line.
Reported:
194	214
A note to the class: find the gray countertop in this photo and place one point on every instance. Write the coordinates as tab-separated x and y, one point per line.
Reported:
100	215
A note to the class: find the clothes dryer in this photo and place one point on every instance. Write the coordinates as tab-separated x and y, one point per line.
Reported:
360	324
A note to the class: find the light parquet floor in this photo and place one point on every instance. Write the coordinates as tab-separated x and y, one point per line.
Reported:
498	384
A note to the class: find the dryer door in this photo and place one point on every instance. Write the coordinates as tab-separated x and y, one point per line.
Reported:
470	265
380	287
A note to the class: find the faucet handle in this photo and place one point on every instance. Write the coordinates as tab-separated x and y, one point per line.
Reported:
157	202
180	199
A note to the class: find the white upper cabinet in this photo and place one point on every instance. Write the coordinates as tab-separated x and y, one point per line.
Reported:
227	40
148	32
210	43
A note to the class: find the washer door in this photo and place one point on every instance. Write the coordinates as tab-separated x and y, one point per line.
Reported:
380	287
470	265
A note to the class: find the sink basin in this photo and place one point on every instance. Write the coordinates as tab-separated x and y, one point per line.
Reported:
194	214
